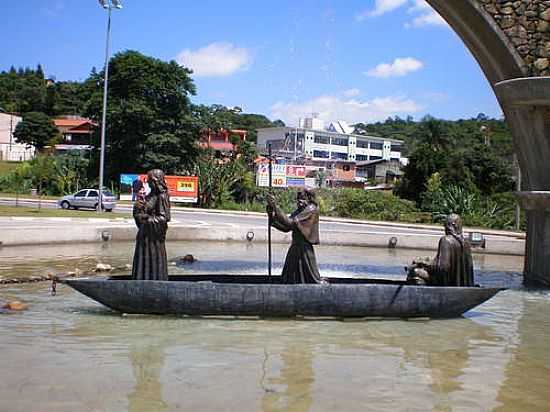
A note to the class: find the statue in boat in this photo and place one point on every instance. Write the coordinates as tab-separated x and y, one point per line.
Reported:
152	214
300	263
452	266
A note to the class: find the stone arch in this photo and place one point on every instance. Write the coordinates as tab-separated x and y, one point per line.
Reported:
511	42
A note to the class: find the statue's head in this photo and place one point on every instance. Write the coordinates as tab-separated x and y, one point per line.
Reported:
453	225
156	181
306	196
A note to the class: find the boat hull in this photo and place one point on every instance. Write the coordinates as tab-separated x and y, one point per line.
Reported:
281	300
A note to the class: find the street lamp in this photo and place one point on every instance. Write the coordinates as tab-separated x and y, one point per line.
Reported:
107	5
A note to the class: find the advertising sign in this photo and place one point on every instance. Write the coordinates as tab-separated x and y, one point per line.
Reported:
295	176
278	175
182	189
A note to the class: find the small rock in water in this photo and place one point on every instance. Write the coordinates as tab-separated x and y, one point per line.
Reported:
15	305
128	266
188	259
103	267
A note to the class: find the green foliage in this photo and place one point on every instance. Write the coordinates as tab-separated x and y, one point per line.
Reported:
149	122
23	91
377	205
36	129
70	172
51	175
494	212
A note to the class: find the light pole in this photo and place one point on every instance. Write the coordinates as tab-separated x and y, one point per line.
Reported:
107	5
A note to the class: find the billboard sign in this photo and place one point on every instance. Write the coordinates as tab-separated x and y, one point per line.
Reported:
182	189
278	175
283	175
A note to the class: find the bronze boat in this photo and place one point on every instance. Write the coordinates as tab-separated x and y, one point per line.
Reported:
249	295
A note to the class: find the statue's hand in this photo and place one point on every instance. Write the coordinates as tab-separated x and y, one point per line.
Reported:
270	200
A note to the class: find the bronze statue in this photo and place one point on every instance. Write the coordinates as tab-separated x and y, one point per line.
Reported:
452	266
300	263
152	214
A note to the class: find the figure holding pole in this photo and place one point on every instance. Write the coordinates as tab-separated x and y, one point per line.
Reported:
300	263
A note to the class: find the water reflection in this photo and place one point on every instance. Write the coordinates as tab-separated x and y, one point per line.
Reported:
526	385
290	389
147	363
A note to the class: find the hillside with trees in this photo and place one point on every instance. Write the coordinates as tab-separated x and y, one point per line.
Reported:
464	166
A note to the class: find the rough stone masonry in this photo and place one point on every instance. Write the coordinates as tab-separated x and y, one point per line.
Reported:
527	26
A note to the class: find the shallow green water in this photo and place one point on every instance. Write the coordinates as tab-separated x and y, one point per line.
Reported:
67	353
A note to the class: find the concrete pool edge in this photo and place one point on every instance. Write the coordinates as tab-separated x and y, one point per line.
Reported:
91	233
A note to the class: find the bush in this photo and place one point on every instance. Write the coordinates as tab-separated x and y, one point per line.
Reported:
371	205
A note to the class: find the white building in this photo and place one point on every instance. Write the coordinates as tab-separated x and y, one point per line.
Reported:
9	149
308	143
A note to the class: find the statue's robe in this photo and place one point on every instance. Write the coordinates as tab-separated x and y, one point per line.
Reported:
150	262
300	263
453	264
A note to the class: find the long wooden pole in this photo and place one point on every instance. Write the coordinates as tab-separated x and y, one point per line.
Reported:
270	169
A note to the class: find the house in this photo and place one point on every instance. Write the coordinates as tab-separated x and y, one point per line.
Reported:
380	170
10	150
76	132
221	140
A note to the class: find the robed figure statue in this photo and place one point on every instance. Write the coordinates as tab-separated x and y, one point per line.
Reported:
152	214
452	266
300	264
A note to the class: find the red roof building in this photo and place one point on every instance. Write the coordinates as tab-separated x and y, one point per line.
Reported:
221	140
76	131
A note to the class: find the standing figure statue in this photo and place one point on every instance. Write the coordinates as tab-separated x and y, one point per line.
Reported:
152	214
452	266
300	264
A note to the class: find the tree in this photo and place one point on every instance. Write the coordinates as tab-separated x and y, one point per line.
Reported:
423	163
149	121
37	130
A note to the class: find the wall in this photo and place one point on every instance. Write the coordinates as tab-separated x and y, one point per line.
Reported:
526	24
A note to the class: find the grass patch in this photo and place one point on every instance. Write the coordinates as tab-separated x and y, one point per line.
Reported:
6	167
44	212
27	195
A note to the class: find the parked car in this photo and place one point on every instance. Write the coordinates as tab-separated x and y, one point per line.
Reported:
88	199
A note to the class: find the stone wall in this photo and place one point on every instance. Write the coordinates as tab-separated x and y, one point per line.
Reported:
527	25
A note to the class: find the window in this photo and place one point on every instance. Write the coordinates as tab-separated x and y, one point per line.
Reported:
363	144
93	193
375	157
396	147
321	153
321	139
361	158
376	146
82	193
339	141
346	168
340	156
275	144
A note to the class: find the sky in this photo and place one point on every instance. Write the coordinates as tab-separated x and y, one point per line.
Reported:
353	60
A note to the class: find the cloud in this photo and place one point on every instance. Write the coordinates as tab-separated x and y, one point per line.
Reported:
351	92
351	110
400	67
426	16
381	7
215	60
431	18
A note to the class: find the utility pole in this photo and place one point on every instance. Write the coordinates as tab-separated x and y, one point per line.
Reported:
107	5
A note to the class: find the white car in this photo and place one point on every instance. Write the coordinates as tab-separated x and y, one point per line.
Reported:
88	199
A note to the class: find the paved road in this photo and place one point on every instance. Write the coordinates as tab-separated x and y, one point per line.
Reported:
196	218
208	218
